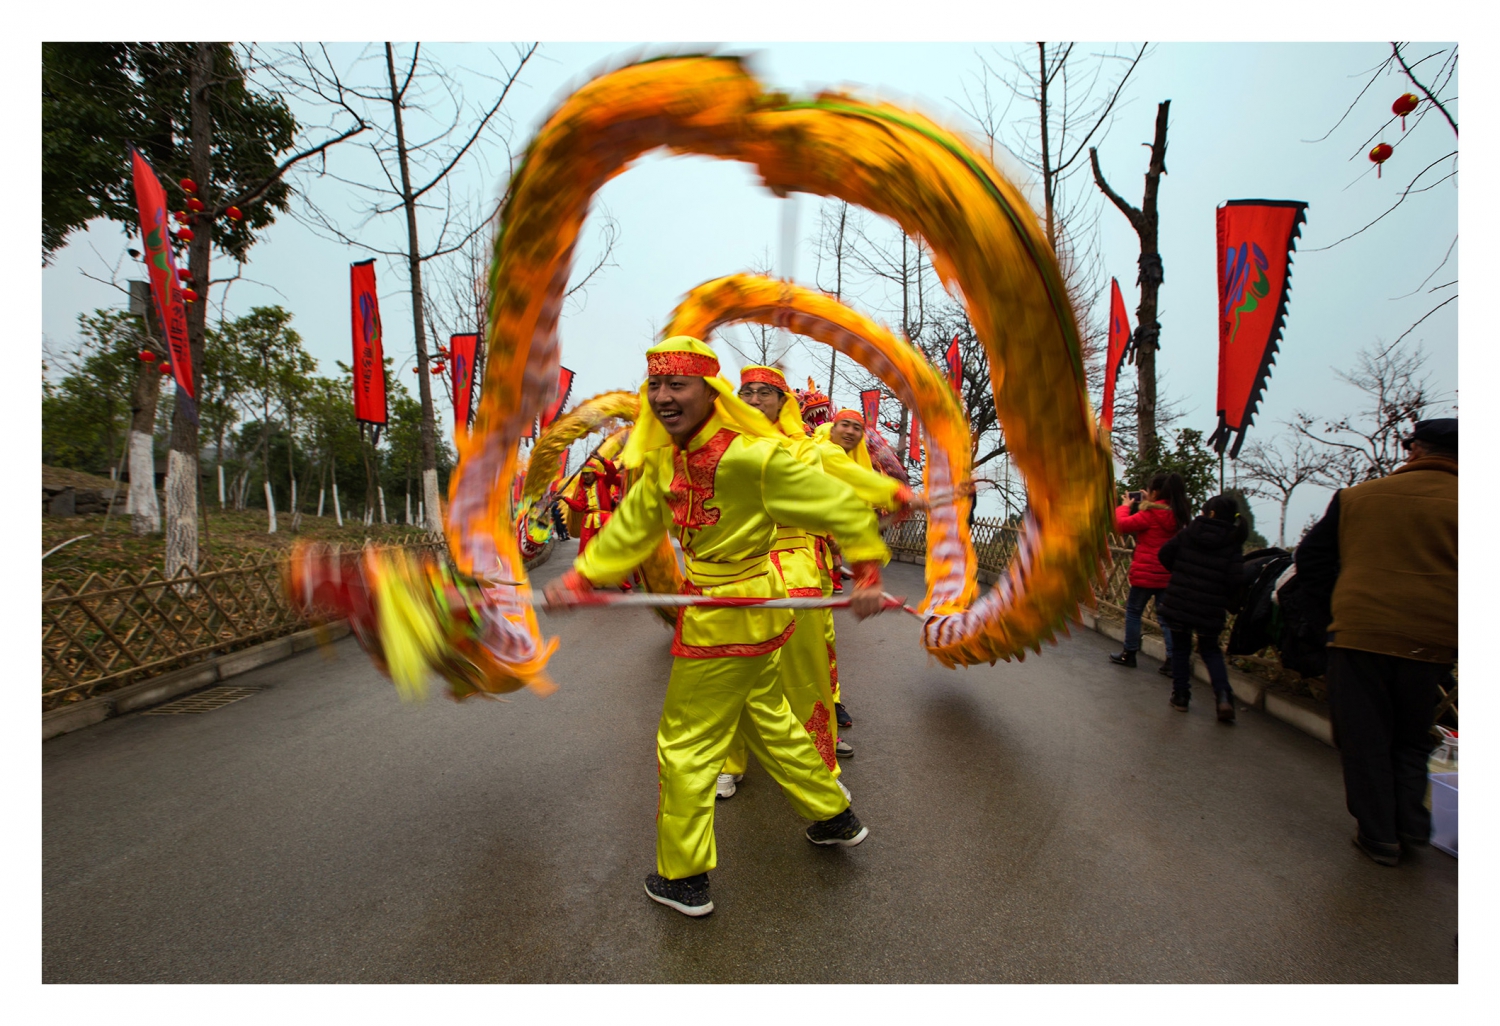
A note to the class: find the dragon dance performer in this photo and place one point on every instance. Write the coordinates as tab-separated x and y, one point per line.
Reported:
805	674
713	472
596	496
846	457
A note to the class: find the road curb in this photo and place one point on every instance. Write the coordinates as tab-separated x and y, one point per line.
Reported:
1293	710
147	693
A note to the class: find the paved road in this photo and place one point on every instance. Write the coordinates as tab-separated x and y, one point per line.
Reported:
1045	821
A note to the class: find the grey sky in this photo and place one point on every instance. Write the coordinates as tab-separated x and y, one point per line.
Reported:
1240	115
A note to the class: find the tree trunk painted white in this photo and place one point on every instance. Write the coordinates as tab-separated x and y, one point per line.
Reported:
337	513
271	509
145	514
433	520
182	512
221	485
294	495
382	504
421	517
320	502
408	506
1281	530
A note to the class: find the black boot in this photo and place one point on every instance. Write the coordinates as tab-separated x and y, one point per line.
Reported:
1126	658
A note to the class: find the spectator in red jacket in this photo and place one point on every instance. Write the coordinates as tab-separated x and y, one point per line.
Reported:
1154	518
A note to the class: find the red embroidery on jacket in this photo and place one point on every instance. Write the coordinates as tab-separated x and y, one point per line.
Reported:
793	592
747	650
693	481
817	726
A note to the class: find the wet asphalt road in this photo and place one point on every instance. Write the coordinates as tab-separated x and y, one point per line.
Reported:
1051	821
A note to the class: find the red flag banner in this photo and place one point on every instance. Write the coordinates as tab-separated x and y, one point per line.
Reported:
166	287
1119	341
461	362
1256	239
915	450
369	354
955	367
869	402
555	407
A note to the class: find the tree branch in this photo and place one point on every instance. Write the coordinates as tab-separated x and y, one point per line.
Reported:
1396	49
1131	213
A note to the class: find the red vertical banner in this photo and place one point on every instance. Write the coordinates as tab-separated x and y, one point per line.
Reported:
955	368
1119	341
869	402
166	287
1255	243
555	407
461	364
914	453
369	353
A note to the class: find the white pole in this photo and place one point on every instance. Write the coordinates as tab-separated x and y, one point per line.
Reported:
294	495
221	486
320	502
381	490
271	508
336	514
421	516
408	505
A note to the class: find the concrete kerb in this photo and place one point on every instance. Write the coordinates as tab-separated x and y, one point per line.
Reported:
1294	710
168	686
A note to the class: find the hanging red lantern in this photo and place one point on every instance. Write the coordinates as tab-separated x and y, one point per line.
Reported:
1404	105
416	370
165	368
147	356
184	274
189	295
1380	154
234	214
186	234
195	204
181	216
188	185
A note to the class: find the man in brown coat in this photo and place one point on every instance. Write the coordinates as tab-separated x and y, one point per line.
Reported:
1386	553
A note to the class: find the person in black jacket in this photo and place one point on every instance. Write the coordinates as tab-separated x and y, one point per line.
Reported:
1207	568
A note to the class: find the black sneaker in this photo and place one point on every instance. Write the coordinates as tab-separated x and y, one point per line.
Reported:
1179	702
688	895
1165	669
845	829
1126	658
842	715
1381	852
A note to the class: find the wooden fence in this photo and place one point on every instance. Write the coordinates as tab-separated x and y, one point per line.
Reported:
100	632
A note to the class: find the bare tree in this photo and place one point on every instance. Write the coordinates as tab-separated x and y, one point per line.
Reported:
415	176
1367	443
1274	469
1144	345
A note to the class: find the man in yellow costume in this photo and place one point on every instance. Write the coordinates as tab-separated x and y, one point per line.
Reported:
846	457
713	472
805	675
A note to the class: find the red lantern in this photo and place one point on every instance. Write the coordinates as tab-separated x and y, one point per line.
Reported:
147	356
188	185
416	370
1404	105
186	234
189	295
184	274
234	213
195	204
165	368
1380	154
181	216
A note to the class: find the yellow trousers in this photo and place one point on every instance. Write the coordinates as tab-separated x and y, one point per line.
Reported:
833	652
806	681
709	702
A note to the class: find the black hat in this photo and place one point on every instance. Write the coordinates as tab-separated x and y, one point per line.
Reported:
1441	432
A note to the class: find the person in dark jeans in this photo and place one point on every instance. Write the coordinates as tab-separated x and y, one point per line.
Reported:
1154	518
1207	565
1384	559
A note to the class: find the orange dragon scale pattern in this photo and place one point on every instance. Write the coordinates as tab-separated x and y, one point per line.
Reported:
986	246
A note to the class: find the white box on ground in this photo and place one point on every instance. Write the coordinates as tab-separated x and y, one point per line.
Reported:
1445	812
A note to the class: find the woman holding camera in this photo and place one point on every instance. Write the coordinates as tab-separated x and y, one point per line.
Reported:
1154	517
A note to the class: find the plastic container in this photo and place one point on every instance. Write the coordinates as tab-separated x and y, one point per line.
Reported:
1445	812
